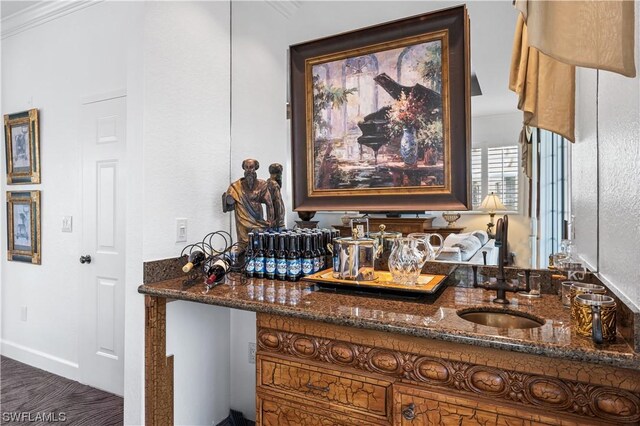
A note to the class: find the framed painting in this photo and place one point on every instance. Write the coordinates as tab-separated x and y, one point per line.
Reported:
381	117
22	143
23	226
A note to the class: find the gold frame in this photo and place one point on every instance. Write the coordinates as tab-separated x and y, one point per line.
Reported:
32	174
33	255
443	36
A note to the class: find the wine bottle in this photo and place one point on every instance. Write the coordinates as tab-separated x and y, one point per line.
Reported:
196	258
258	264
317	238
217	271
324	240
307	257
281	259
293	260
270	258
249	256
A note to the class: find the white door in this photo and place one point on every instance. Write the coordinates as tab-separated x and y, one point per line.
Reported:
101	344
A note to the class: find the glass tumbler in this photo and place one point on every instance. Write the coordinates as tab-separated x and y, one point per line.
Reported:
534	284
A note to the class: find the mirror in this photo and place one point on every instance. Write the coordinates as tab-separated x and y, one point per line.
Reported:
263	31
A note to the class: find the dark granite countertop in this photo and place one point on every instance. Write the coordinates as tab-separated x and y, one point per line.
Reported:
436	319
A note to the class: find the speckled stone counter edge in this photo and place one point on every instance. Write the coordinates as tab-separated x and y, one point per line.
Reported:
164	269
628	321
596	357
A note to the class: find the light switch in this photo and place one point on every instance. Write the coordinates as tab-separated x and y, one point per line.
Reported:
67	224
181	230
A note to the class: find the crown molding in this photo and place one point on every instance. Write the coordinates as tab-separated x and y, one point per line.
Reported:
40	13
285	8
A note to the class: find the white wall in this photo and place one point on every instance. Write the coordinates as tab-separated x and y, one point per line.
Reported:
584	166
186	151
618	141
52	67
173	60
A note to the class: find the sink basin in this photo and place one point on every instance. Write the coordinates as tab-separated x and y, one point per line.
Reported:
501	319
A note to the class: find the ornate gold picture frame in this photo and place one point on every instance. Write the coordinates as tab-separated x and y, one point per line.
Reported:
23	226
22	142
381	117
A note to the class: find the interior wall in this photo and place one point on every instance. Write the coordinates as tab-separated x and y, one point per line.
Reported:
617	112
584	178
177	82
53	67
186	151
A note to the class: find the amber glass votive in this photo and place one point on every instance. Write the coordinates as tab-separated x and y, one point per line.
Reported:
583	288
584	308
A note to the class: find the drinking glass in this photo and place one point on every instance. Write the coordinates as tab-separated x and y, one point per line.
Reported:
534	284
565	293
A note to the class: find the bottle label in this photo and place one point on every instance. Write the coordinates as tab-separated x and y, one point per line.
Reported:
259	264
250	268
307	266
224	265
270	265
281	266
293	267
316	264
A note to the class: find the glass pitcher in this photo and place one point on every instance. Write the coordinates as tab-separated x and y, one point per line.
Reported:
424	244
409	255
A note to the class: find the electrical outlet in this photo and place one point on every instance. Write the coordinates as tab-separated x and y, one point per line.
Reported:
181	230
252	353
23	313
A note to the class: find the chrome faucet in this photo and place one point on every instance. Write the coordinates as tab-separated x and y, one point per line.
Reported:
501	286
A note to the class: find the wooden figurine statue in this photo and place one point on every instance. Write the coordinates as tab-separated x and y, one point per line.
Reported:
246	197
275	185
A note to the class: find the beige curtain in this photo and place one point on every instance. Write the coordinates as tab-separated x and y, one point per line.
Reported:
545	87
588	33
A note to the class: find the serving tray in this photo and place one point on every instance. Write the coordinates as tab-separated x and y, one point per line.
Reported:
427	283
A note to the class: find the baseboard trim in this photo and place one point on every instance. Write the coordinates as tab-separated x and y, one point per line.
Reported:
39	359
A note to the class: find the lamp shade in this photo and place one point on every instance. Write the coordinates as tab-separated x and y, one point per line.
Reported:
491	203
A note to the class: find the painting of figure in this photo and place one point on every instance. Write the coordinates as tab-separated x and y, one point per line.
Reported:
22	226
379	118
20	146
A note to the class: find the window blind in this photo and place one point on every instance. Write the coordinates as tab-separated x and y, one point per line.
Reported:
476	177
495	170
502	174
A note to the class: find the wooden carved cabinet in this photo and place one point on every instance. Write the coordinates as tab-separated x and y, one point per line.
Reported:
310	373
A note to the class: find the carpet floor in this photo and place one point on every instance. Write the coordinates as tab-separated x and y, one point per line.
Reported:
35	397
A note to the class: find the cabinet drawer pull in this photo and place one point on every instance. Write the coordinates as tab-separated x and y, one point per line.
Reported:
409	412
318	388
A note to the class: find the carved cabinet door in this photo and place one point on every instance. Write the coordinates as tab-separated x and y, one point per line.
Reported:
413	406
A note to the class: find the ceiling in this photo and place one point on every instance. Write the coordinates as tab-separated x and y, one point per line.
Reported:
8	8
492	30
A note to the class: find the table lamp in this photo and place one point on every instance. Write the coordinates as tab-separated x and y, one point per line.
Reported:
490	204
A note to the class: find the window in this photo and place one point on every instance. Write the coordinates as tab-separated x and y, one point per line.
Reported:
495	170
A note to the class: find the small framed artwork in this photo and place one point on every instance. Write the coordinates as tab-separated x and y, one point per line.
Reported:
381	117
22	140
23	226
